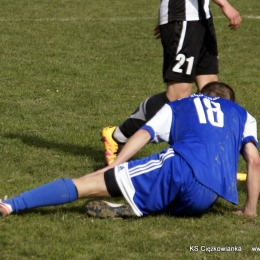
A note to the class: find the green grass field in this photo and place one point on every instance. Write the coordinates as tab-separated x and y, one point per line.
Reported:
69	68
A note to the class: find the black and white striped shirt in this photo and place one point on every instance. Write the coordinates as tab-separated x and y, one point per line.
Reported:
183	10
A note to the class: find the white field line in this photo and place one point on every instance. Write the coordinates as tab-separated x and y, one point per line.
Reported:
77	18
243	16
68	19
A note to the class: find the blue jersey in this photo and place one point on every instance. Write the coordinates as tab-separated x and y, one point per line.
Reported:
209	133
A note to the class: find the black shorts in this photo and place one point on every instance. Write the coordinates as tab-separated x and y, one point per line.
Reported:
190	49
111	184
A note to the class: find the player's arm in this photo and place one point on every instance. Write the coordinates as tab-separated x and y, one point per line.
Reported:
251	156
155	130
230	12
157	33
135	143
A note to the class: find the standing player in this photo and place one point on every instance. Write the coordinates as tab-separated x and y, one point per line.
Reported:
190	55
205	133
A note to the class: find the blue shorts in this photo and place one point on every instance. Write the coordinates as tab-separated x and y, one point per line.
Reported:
163	183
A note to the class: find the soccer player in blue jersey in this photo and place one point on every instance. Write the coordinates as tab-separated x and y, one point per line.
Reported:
206	132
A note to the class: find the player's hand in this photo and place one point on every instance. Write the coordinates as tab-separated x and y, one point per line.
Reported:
242	212
233	15
157	32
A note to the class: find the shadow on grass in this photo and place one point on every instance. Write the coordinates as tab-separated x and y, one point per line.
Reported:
81	211
77	150
218	209
52	211
242	186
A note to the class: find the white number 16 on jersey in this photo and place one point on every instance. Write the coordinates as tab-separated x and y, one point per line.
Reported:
213	112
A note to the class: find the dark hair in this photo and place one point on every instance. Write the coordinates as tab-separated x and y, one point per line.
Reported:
218	89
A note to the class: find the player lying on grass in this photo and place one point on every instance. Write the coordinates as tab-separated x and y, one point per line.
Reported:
205	132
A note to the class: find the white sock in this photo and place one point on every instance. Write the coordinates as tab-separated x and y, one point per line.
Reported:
119	137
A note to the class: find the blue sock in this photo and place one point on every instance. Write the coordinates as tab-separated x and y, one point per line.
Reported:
54	193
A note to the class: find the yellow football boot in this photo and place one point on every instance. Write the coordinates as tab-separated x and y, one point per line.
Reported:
112	148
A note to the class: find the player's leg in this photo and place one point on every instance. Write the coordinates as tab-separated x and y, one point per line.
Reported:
207	67
115	137
177	90
104	209
148	184
163	183
90	186
54	193
146	110
58	192
202	80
